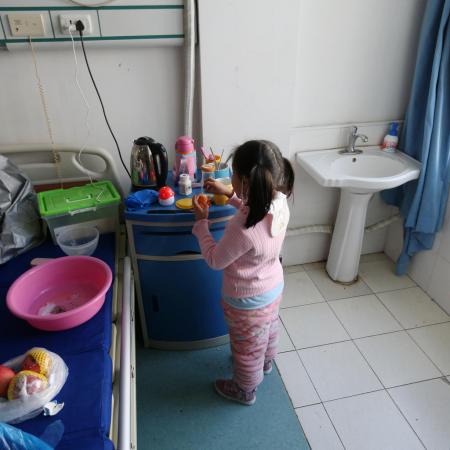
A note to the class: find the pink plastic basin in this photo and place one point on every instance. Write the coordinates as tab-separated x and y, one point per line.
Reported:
74	285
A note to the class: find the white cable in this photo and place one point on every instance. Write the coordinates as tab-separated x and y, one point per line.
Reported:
56	157
88	107
104	2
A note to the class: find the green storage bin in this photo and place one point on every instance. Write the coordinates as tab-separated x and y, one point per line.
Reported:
95	204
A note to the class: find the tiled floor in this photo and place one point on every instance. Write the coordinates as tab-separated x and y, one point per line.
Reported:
366	366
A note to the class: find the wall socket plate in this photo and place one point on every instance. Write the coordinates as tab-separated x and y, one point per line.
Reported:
67	21
26	24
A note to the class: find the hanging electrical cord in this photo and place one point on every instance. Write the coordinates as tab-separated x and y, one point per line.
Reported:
86	103
79	26
56	157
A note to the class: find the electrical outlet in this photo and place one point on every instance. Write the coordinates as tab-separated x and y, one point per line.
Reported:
67	22
24	24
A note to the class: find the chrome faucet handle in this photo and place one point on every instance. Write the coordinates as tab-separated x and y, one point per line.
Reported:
363	137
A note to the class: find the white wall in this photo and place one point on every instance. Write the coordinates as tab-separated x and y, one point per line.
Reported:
300	73
429	269
142	89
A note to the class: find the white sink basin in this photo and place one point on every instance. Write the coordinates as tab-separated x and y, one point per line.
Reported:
358	176
371	171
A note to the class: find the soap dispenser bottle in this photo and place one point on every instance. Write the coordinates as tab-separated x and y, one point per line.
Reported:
390	141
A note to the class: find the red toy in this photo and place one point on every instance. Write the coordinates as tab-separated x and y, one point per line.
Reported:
166	196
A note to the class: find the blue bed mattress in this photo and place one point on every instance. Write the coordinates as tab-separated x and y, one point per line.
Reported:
85	350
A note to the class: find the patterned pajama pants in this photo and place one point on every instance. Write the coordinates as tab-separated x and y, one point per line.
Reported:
253	340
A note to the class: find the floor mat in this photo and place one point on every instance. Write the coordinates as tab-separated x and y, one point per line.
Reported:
178	408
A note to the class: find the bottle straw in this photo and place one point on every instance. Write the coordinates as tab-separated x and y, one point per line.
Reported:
203	153
214	156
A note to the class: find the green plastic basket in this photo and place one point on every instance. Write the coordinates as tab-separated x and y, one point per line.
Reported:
77	199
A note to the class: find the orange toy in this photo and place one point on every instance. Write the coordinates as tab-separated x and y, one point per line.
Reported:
26	383
204	201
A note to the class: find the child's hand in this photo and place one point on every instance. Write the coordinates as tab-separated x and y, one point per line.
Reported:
200	203
216	187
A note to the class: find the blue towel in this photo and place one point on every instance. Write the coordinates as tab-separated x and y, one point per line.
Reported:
141	199
426	137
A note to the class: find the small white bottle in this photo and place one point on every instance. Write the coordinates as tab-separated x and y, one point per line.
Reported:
390	141
185	184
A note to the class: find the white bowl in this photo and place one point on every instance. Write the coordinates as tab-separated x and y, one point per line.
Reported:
78	240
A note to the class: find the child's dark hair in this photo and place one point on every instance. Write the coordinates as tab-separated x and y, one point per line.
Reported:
263	166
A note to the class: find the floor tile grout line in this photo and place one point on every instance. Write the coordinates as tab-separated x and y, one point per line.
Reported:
297	306
425	353
318	396
386	389
389	311
358	338
331	422
406	420
398	320
285	329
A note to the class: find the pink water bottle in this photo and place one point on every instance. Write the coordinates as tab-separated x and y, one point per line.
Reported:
185	158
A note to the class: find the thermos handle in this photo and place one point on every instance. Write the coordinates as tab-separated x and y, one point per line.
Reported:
161	153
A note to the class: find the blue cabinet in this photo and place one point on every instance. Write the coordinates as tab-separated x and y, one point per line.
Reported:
178	294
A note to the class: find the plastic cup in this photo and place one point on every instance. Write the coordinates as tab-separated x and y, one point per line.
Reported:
223	171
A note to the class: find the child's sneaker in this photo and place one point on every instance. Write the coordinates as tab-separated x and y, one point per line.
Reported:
267	367
231	391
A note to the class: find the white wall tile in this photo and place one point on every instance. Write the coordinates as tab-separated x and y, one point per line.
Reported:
434	340
444	248
439	288
421	267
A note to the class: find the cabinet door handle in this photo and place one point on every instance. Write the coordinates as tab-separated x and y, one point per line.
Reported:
155	303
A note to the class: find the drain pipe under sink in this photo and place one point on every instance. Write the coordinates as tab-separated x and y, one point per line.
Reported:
328	229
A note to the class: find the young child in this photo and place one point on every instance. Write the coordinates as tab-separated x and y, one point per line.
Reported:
249	253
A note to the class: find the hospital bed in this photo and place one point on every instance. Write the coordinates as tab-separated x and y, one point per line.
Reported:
100	392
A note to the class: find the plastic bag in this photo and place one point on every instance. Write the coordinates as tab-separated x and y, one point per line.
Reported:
20	223
29	404
12	438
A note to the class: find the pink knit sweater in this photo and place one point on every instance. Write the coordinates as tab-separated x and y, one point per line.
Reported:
249	257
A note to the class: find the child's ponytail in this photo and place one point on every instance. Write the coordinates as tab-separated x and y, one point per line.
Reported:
260	193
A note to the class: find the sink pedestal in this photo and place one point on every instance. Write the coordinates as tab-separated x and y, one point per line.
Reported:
346	243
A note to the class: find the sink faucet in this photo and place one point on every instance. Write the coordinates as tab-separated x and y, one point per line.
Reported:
353	137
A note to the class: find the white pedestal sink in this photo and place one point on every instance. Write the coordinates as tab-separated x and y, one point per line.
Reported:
358	176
